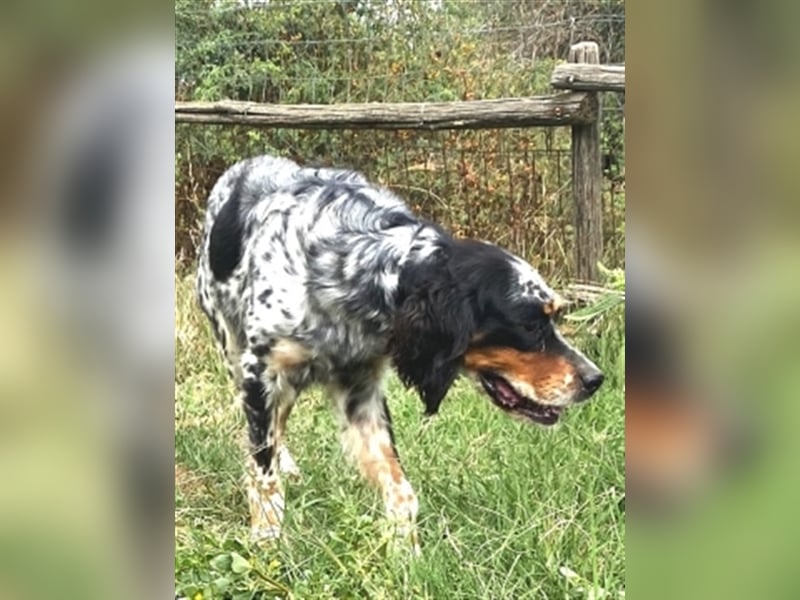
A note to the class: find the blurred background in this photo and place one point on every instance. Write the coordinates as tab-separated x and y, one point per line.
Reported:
712	258
86	309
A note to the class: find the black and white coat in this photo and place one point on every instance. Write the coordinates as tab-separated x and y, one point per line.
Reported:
318	276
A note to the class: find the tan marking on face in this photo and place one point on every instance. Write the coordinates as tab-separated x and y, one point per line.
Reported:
540	376
287	354
555	305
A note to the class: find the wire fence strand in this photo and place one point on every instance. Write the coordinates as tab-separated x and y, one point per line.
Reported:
509	186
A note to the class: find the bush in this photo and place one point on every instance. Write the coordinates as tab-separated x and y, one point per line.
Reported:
508	186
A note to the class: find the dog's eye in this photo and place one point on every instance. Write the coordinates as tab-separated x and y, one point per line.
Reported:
535	324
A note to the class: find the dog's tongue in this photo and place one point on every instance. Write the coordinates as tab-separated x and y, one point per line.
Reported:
505	393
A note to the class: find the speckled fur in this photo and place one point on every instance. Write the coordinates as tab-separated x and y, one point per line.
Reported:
318	276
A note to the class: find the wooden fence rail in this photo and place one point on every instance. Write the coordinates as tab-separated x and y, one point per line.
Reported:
578	108
540	111
589	77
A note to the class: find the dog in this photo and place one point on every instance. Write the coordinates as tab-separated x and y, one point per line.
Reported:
319	276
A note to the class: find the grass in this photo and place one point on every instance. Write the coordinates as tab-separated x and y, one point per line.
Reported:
507	510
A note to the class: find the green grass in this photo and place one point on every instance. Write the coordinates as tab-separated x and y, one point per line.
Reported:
507	510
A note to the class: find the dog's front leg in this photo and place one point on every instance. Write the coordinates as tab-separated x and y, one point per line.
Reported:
368	439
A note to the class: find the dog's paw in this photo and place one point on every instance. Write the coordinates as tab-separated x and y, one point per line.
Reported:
286	464
266	511
402	538
264	533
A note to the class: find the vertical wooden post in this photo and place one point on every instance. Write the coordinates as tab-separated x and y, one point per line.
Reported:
586	180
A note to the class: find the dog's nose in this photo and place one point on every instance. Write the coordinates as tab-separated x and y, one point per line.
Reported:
592	382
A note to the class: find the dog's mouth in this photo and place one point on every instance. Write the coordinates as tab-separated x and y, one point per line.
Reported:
506	397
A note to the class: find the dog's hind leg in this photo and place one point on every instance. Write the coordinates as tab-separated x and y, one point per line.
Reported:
286	464
263	392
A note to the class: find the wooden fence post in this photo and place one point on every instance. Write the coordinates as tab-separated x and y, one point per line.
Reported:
586	179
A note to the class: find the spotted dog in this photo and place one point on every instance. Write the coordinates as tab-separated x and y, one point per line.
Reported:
318	276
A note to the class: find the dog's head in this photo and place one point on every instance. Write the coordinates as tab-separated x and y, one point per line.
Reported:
477	307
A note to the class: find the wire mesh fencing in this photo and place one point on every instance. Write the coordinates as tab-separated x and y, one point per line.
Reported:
509	186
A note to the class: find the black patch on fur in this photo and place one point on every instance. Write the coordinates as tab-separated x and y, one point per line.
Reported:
359	384
370	295
262	297
388	417
503	317
355	401
469	288
397	219
261	350
305	185
432	328
328	195
257	409
225	241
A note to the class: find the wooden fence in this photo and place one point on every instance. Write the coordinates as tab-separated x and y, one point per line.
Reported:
578	106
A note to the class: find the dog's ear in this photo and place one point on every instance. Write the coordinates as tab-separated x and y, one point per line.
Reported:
432	328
